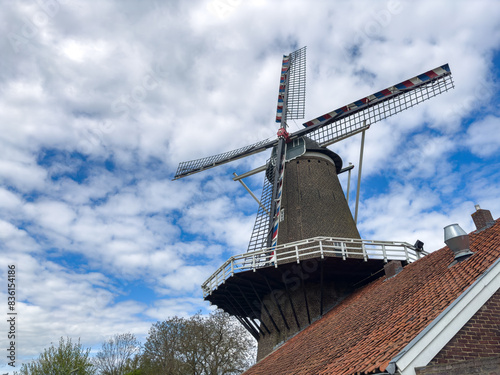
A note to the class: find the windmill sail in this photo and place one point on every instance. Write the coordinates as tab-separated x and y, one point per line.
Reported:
292	90
348	120
297	85
344	121
279	190
325	130
291	104
291	101
261	230
194	166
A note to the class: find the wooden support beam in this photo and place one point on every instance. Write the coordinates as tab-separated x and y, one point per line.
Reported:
271	291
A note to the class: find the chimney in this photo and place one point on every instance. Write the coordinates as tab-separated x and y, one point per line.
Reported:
482	218
458	241
393	268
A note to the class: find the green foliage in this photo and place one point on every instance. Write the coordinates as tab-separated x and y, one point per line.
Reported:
66	359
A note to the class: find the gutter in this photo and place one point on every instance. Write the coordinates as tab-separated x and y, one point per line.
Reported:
427	344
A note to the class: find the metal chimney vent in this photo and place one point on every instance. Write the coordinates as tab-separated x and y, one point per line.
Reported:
458	241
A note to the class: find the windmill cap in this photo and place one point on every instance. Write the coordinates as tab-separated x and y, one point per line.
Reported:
457	240
313	146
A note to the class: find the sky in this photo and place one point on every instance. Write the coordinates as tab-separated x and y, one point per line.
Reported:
100	101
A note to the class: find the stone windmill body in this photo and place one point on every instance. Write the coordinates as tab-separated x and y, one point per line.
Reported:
305	253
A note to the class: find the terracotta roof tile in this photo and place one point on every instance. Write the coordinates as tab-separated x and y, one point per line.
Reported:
369	328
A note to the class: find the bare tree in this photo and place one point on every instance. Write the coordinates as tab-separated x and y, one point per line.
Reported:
213	345
117	354
161	353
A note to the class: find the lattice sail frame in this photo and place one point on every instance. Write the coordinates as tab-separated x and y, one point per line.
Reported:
347	120
292	90
194	166
261	230
297	85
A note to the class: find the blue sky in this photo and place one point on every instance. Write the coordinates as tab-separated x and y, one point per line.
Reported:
99	102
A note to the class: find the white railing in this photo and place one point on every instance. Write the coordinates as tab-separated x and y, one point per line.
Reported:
317	247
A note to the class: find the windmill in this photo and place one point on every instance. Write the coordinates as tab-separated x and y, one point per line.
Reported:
301	174
325	130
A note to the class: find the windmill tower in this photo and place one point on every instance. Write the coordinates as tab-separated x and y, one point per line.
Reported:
305	253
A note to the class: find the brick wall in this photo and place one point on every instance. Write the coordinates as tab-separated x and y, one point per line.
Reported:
479	338
475	349
481	366
313	202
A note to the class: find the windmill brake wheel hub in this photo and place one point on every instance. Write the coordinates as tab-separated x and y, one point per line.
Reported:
282	133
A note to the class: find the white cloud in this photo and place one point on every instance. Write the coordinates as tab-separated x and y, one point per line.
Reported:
9	200
483	137
166	308
407	213
186	278
52	216
15	239
24	175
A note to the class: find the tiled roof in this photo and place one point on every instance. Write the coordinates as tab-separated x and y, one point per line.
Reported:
363	333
